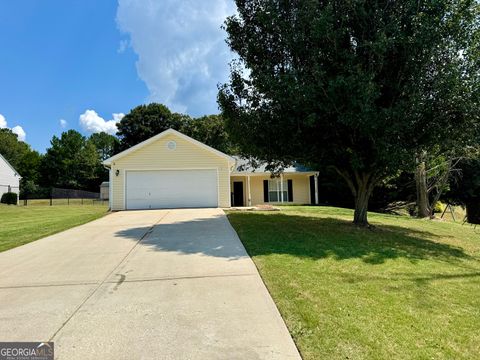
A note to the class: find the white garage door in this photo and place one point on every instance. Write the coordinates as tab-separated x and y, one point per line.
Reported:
171	189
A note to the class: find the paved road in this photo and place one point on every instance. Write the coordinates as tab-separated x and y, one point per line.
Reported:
159	284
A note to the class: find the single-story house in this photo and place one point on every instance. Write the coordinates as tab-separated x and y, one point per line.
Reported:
9	177
172	170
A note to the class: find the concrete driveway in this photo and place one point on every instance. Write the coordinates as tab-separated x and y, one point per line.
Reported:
159	284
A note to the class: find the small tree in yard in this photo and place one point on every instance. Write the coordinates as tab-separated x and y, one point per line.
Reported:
433	174
358	86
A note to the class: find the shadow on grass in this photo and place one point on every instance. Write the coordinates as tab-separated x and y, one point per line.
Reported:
317	238
300	236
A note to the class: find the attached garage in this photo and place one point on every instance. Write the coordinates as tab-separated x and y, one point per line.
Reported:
157	189
169	170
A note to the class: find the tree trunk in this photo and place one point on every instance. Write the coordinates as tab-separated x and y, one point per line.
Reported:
361	187
361	206
423	204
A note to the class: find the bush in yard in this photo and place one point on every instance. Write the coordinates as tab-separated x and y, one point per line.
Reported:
9	198
439	207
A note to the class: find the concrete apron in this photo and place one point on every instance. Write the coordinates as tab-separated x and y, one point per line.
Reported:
159	284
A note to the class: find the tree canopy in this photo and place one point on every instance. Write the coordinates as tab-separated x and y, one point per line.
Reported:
105	144
71	162
145	121
358	86
20	155
74	161
210	129
11	148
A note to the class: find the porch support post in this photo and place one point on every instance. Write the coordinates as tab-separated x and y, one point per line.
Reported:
281	188
316	189
249	193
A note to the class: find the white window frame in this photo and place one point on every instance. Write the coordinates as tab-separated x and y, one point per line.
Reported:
282	196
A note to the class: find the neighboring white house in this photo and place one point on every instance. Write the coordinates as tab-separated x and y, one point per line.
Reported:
9	177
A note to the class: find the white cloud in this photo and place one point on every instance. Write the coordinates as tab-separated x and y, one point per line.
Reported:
16	129
182	54
3	122
118	116
63	123
91	122
20	132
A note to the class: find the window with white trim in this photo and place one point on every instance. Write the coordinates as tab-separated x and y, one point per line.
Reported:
275	190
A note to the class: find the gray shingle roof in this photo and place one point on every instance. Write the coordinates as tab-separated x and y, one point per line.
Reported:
243	165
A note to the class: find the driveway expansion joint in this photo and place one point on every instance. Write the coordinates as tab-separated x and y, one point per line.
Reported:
182	278
27	286
88	297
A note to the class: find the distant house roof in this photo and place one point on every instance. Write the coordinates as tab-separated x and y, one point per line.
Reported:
244	166
11	167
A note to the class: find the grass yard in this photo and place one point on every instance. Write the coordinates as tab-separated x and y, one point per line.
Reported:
408	289
23	224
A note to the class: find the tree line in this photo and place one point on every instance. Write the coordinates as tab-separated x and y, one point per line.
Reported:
74	161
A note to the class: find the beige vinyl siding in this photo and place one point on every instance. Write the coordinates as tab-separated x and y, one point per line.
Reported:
156	156
300	183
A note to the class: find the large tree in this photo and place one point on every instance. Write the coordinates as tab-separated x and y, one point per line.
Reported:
145	121
361	86
21	156
105	144
71	162
210	129
11	148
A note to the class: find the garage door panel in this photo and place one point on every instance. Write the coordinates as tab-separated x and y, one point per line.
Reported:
171	189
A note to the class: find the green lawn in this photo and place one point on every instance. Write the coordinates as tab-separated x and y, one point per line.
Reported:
23	224
408	289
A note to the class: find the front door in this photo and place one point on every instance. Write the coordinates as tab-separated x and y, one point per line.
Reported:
238	193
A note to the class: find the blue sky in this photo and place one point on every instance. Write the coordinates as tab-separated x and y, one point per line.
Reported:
83	64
